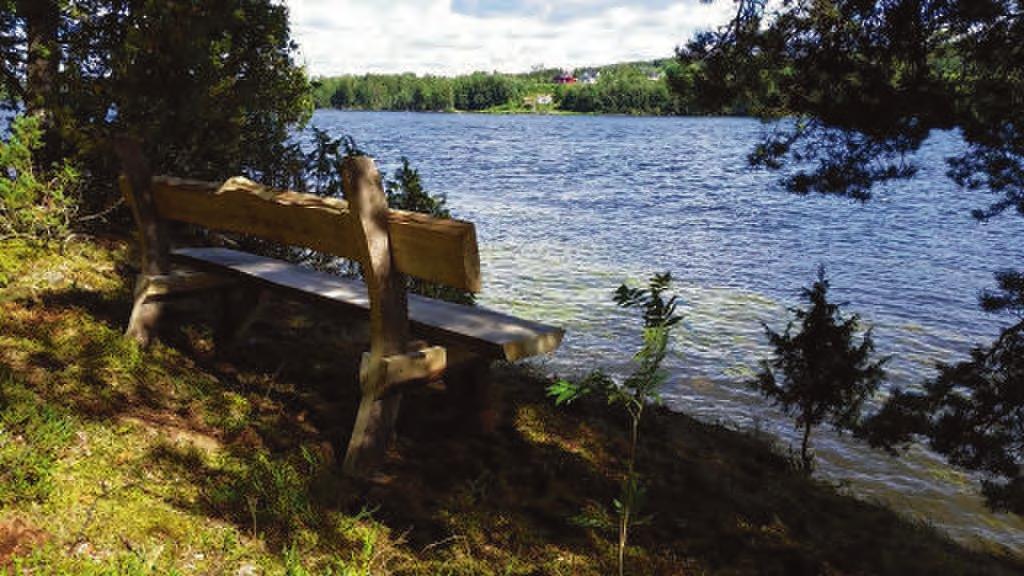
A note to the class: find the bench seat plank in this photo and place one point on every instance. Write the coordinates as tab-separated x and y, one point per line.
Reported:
489	333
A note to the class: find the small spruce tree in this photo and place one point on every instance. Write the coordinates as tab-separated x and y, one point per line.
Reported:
820	373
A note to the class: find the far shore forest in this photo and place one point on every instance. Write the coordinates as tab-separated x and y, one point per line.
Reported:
656	88
174	458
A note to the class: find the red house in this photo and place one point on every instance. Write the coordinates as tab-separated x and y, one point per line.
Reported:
564	78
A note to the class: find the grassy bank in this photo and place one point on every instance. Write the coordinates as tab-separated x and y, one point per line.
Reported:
175	460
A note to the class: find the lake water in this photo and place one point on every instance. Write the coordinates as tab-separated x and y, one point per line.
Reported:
569	207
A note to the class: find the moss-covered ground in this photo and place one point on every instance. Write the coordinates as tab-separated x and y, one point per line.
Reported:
179	460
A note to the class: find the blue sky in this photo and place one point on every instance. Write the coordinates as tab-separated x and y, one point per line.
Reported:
457	36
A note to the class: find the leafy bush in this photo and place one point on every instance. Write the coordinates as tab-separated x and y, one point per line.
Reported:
819	373
322	164
637	391
35	204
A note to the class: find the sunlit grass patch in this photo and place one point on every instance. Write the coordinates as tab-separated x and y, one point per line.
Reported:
114	509
32	437
29	271
13	255
227	410
539	425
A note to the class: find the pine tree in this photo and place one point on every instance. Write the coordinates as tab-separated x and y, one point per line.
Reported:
819	373
973	411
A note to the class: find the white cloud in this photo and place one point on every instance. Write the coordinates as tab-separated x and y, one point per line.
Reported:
446	37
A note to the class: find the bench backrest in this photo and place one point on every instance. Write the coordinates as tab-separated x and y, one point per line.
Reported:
433	249
387	243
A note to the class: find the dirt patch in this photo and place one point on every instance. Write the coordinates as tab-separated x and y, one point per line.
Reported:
176	434
18	537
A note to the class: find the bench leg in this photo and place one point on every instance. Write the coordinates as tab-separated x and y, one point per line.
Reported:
476	394
240	308
146	312
371	434
375	422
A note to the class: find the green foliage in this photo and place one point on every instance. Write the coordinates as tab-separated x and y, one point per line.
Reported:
565	392
477	91
1009	297
862	86
405	192
640	389
656	310
13	255
643	385
32	436
480	91
322	166
820	374
36	204
133	490
626	90
274	492
385	92
868	82
211	88
631	88
227	411
973	412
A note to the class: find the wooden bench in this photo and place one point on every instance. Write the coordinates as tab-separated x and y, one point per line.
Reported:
388	244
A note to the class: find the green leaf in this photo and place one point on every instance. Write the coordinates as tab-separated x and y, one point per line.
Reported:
566	392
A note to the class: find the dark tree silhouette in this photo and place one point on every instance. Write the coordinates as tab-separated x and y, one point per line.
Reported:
864	83
973	412
211	88
861	86
819	373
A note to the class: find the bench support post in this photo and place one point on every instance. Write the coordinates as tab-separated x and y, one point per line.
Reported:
389	319
240	308
136	184
471	389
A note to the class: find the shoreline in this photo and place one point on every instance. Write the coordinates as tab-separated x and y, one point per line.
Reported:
529	113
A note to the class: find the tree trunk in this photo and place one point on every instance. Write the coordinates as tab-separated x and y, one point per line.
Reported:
42	23
805	455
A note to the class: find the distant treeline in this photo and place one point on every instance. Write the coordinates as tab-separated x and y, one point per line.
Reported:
647	88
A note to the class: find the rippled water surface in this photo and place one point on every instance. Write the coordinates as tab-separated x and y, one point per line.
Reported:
567	208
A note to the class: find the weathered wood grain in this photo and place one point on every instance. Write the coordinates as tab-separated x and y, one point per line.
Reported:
388	244
389	315
424	364
434	249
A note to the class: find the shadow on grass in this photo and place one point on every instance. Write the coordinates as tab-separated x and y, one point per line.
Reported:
536	494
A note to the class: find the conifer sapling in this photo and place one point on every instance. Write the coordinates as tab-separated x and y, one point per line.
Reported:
820	373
